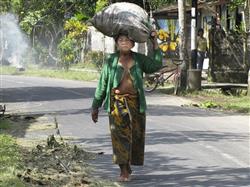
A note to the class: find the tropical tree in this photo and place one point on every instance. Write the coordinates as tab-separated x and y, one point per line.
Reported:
9	6
44	22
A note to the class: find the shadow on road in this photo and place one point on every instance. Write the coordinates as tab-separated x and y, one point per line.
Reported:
21	123
161	171
179	137
168	170
170	110
23	94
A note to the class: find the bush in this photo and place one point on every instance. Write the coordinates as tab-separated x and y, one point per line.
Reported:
96	58
66	52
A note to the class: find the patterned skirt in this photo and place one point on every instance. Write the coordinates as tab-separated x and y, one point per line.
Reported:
127	127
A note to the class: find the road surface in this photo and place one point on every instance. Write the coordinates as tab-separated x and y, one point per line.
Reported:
184	146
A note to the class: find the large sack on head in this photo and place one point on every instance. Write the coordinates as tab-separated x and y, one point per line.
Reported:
123	17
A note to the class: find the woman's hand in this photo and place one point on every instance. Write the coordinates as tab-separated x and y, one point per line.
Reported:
94	115
154	39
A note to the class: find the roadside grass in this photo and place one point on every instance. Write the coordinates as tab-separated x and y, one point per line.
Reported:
9	70
80	74
217	99
10	158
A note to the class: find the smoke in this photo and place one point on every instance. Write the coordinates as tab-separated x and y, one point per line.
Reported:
13	43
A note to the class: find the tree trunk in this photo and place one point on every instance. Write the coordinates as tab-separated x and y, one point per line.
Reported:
183	43
247	41
247	23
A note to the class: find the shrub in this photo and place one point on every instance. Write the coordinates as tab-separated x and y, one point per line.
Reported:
96	58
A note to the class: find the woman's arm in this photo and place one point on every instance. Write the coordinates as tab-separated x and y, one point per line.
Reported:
153	63
100	92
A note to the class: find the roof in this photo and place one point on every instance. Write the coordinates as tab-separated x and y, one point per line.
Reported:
171	11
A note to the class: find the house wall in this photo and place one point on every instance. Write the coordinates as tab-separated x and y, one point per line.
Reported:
96	41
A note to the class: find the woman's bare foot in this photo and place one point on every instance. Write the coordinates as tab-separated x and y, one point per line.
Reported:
125	173
124	179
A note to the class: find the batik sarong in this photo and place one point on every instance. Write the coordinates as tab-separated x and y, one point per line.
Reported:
127	127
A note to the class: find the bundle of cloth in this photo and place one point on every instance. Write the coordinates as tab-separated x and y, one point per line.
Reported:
126	18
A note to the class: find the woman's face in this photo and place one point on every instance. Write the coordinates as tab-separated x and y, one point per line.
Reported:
124	44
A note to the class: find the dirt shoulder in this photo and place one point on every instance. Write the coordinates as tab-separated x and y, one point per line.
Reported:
48	159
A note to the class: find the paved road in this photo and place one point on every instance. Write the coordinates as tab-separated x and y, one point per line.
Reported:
184	146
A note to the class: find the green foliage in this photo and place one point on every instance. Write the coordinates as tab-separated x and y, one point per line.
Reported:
209	104
30	20
235	4
42	54
100	4
75	28
66	52
9	6
96	58
44	21
70	46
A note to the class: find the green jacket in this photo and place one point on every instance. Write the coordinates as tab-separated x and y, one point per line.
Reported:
112	74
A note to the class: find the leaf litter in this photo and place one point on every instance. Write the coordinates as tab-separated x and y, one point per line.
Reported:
56	163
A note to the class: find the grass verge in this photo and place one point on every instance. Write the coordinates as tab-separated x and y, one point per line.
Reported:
10	158
52	73
217	99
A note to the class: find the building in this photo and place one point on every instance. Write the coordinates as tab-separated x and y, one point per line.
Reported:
226	62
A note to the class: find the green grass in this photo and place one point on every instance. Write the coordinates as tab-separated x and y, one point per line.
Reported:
34	71
216	99
10	159
7	70
240	104
4	124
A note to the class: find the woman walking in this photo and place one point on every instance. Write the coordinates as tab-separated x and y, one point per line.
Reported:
120	87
